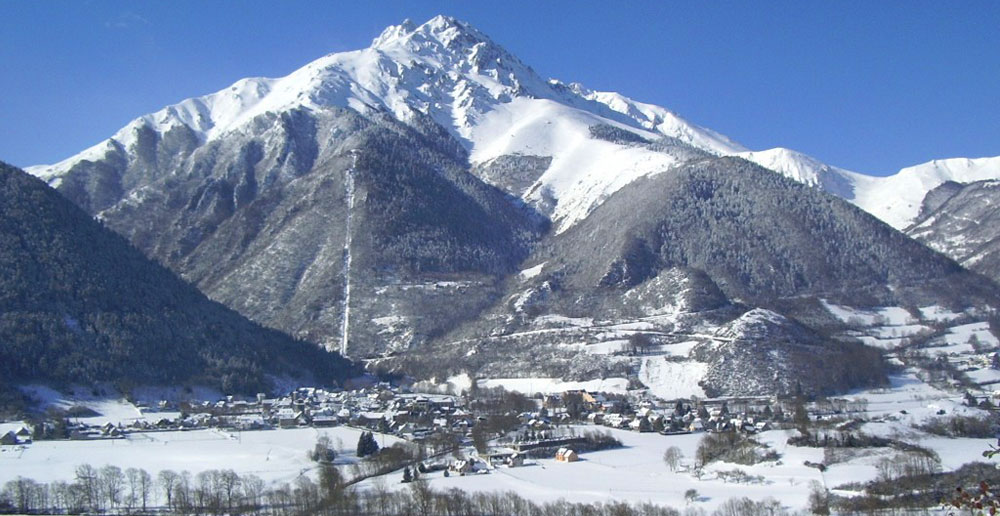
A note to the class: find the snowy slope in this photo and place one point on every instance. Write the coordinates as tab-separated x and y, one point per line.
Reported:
496	106
895	199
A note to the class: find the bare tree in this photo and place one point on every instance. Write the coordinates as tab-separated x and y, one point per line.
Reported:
380	496
229	483
672	457
168	480
819	498
145	488
208	492
132	494
112	484
86	478
182	492
22	494
423	497
253	492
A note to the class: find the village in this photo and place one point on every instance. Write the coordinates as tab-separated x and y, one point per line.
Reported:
501	427
594	445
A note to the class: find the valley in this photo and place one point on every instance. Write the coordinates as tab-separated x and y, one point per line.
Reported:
420	275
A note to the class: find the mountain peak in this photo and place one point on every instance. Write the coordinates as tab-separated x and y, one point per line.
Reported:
394	33
440	32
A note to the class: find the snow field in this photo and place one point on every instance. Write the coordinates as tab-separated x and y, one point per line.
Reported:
637	474
670	380
531	386
273	455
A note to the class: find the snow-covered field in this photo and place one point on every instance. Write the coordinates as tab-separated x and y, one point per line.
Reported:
273	455
636	473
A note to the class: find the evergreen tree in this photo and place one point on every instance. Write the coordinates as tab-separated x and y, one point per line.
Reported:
800	416
367	444
363	445
407	476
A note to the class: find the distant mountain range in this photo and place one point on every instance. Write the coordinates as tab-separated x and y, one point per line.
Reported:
432	204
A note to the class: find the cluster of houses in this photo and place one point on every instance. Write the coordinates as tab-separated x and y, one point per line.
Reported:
381	408
749	415
417	416
13	437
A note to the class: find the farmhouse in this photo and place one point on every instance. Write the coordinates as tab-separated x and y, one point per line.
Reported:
566	455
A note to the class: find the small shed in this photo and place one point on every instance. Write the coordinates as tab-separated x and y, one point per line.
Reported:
566	455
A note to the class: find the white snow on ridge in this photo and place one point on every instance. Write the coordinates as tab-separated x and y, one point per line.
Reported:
496	105
896	199
584	171
805	169
662	121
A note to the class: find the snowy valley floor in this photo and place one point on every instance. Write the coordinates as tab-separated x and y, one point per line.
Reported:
635	473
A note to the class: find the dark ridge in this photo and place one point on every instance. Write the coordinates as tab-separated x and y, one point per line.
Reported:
79	305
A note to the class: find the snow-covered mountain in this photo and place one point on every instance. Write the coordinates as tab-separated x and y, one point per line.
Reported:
447	70
498	106
896	199
387	199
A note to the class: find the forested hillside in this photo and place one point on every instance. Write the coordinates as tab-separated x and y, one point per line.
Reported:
78	304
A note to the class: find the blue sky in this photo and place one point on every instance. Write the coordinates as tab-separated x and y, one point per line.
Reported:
868	86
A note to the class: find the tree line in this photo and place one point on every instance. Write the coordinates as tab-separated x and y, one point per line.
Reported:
111	490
